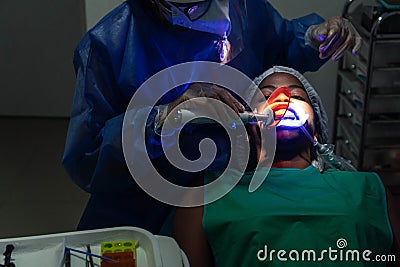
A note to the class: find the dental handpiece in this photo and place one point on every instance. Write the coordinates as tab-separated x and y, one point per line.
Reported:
266	118
326	152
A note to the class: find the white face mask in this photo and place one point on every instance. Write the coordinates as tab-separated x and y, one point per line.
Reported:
201	15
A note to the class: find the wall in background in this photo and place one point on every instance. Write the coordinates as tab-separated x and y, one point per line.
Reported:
36	53
36	48
96	9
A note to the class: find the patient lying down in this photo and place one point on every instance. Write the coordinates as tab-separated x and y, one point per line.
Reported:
300	215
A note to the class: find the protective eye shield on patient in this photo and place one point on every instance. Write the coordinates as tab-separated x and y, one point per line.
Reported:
287	114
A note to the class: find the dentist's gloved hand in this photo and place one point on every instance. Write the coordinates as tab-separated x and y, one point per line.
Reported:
195	99
333	37
211	91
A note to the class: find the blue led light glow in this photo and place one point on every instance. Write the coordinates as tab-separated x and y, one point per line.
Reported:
294	117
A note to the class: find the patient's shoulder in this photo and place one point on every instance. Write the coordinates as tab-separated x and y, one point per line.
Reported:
368	182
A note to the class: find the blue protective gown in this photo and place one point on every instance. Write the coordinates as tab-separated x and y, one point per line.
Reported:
116	56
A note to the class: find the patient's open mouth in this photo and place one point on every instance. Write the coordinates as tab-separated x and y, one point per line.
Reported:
290	115
294	117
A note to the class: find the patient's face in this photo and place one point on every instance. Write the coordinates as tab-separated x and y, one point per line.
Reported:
299	100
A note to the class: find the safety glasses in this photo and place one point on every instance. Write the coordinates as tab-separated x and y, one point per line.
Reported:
192	11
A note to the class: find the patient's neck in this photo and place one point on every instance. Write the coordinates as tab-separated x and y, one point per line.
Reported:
299	161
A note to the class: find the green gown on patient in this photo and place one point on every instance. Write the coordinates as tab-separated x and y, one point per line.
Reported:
300	212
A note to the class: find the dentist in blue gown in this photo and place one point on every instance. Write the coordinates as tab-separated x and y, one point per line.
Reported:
142	37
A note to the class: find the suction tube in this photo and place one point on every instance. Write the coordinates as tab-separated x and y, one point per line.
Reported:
326	152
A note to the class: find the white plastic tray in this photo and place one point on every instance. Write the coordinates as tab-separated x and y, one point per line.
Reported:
48	250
